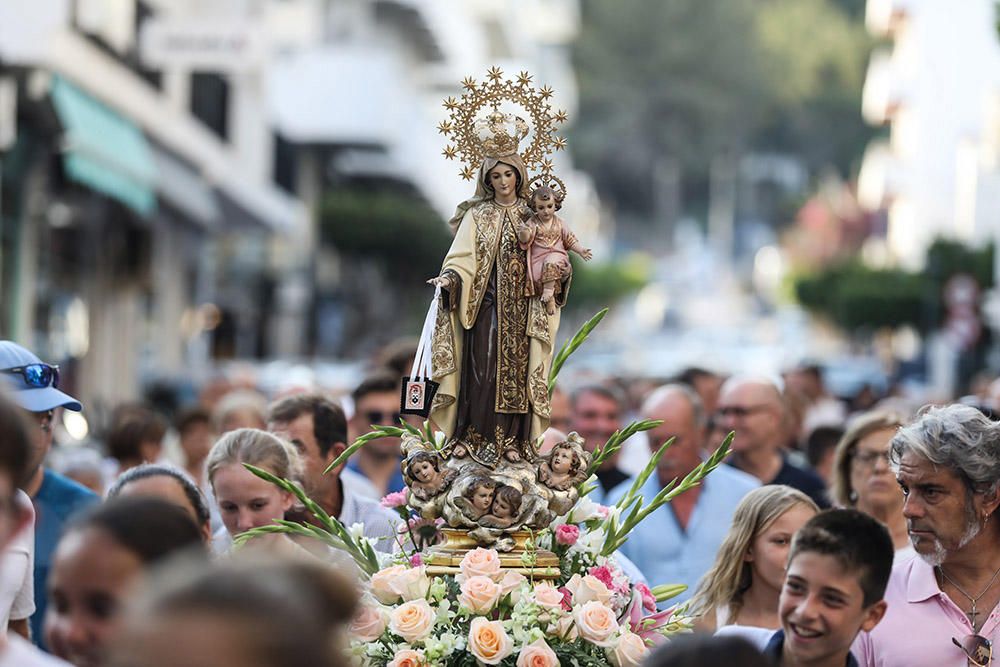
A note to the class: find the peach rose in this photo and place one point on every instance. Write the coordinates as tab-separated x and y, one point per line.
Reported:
382	584
480	563
488	641
369	624
565	629
630	651
411	584
587	588
412	620
537	654
479	594
511	583
407	657
548	596
596	622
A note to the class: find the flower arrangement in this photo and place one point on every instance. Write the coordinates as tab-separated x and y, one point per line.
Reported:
587	612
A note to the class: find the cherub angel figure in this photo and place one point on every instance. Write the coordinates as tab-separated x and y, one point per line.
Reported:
505	508
425	475
546	238
565	466
477	499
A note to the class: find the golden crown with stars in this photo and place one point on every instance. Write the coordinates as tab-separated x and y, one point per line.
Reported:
473	136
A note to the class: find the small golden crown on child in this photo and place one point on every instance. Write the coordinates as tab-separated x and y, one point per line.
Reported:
499	133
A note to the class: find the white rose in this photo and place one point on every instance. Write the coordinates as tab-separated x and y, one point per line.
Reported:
412	620
411	584
488	641
596	622
587	588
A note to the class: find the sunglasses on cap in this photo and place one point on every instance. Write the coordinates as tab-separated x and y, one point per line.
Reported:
37	376
978	649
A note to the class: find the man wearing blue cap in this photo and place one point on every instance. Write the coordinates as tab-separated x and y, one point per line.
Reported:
33	385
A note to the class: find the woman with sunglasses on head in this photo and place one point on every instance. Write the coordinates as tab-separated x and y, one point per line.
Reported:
863	478
744	583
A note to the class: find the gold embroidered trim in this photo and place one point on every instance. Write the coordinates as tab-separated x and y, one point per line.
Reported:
443	342
441	401
538	322
487	220
540	392
512	324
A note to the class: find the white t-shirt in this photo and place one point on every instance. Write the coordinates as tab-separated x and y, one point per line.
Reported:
17	565
18	652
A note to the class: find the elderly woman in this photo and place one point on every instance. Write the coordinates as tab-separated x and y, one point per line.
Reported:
862	478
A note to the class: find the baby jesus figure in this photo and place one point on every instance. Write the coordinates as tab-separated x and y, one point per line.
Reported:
547	238
424	475
505	508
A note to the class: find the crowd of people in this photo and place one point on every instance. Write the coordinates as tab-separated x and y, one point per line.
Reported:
834	534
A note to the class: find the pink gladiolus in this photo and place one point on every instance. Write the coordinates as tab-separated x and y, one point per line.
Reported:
646	626
567	534
394	500
567	601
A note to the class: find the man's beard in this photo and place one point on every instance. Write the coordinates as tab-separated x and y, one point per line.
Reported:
972	529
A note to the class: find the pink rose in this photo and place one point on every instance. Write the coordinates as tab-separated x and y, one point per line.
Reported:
548	596
479	594
565	629
648	600
412	620
369	624
596	623
630	651
407	657
537	654
488	641
411	584
393	500
480	563
567	534
416	560
382	584
587	588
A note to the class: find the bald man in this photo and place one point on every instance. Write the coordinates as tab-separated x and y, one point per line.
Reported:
755	409
677	543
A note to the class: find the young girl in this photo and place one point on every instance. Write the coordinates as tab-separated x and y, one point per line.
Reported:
547	238
245	500
743	585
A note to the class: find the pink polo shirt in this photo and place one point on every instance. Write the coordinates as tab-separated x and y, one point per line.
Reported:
919	624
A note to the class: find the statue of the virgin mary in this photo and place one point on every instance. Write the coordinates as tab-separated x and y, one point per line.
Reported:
492	344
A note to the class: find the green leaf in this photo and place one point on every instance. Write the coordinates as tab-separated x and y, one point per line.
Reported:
571	346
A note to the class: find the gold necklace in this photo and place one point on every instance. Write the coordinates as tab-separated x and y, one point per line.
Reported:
972	612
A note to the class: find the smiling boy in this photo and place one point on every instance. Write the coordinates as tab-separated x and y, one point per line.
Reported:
838	568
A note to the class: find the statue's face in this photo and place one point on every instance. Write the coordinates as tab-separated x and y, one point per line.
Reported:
423	471
545	209
482	498
501	508
562	461
503	179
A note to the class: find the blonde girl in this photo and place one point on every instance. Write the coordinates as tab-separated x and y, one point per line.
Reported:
743	585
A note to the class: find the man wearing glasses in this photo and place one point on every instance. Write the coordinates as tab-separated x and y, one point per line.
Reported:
376	403
943	606
755	409
33	385
15	457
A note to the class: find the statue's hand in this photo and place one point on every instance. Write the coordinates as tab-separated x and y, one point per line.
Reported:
444	282
586	254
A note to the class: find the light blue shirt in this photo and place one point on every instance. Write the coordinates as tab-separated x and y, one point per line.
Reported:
668	554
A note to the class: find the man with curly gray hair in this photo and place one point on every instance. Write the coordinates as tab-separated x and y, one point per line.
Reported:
943	606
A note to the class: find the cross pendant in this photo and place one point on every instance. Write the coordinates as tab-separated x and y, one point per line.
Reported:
972	616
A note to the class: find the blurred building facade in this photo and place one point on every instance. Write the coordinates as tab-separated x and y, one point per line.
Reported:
130	193
937	89
167	159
